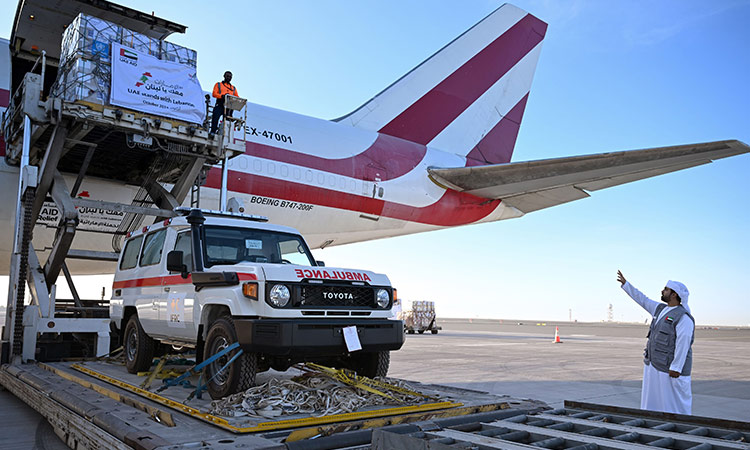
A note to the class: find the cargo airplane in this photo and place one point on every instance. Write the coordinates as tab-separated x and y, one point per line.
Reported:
432	150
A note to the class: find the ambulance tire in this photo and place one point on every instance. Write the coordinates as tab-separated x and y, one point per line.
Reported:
373	364
420	331
434	331
138	347
240	375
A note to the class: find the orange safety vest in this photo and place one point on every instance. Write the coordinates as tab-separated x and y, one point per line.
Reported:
221	89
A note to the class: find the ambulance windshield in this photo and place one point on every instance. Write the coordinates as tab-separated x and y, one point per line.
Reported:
224	245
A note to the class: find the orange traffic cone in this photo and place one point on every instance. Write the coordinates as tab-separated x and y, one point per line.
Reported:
557	337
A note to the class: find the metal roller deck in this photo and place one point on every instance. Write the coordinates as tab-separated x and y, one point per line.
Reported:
579	426
93	403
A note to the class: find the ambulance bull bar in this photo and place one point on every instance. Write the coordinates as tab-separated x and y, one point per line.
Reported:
319	337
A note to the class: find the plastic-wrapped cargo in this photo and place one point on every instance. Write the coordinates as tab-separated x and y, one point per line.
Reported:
83	79
179	54
141	43
89	37
407	317
421	315
85	60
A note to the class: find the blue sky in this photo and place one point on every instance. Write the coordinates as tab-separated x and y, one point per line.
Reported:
611	76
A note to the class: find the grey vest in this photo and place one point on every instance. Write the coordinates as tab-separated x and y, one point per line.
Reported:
662	337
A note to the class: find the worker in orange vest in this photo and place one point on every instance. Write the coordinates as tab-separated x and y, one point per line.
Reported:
220	90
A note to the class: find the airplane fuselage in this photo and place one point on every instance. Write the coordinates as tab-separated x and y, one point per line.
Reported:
335	183
369	184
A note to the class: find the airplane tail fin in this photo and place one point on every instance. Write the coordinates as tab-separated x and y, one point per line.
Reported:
469	97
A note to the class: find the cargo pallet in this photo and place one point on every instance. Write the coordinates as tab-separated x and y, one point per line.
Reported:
416	319
432	328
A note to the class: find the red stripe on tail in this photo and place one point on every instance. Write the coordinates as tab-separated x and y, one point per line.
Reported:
497	146
429	115
396	156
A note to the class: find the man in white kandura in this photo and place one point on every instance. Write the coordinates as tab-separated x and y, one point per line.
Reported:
668	358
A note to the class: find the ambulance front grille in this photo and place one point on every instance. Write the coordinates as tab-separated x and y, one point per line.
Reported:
335	296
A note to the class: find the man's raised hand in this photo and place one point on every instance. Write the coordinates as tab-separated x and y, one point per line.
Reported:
621	278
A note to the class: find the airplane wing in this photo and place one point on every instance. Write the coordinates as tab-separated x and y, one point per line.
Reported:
534	185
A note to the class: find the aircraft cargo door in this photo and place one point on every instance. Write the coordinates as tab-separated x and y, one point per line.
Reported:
373	188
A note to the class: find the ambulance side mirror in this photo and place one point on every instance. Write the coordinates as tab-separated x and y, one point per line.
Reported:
320	263
174	263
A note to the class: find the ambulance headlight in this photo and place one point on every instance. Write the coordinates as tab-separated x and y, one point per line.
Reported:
279	295
382	298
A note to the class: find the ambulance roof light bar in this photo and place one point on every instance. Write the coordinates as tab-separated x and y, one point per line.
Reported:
184	211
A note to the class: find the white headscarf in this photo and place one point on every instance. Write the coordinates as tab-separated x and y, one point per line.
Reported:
682	291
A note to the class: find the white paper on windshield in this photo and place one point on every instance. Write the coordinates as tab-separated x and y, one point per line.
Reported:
352	339
253	244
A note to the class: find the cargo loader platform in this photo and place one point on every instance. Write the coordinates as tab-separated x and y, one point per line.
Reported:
96	401
93	164
95	404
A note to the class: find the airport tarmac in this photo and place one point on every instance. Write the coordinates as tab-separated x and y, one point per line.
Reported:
596	363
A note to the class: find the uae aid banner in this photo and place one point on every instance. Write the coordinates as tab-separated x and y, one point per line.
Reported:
148	84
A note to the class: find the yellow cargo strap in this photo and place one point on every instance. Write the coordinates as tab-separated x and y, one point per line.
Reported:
275	425
147	382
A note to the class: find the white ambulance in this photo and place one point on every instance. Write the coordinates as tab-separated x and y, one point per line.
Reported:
208	279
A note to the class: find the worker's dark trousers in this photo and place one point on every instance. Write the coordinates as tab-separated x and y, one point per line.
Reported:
218	112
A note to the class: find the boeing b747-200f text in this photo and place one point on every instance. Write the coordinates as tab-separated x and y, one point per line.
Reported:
433	150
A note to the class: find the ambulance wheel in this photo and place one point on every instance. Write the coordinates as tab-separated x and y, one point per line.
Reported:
420	331
138	347
371	365
434	331
240	375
